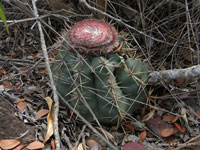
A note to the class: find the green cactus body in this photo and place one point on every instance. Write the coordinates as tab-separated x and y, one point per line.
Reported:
109	86
106	86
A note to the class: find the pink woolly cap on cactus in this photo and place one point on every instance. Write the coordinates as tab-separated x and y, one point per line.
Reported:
92	36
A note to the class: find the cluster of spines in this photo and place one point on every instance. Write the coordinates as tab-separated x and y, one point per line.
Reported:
99	83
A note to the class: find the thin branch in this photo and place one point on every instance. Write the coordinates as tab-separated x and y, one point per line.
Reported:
55	96
84	2
21	5
190	72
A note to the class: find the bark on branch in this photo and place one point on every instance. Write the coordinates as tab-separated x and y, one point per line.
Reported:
190	72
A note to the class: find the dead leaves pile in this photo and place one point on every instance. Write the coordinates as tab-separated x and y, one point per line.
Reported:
16	144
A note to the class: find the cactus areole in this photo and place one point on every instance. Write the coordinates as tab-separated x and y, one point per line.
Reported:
92	37
94	79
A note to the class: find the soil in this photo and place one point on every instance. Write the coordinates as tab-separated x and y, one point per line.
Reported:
11	127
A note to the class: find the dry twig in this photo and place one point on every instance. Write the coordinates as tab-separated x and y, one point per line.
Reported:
190	72
55	96
84	2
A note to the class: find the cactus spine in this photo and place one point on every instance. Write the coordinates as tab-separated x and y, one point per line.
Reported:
100	82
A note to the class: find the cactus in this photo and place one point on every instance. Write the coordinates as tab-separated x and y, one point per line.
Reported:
93	78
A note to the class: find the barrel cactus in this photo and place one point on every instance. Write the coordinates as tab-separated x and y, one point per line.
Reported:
94	78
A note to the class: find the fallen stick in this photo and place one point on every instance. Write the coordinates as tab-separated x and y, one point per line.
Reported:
190	72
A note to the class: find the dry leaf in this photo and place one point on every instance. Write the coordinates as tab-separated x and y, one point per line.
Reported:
53	144
198	113
171	148
21	106
160	127
175	119
133	146
24	71
43	71
108	134
142	136
12	54
166	132
3	70
35	145
179	127
9	144
197	143
149	115
17	86
92	143
80	147
180	81
129	126
2	88
183	113
41	113
187	55
20	100
20	147
50	119
7	84
168	118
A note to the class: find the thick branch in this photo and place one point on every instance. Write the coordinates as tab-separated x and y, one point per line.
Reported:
55	96
190	72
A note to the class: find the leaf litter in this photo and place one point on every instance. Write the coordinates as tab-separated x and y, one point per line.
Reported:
176	98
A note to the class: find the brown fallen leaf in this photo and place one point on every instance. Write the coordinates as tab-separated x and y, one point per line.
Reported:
179	127
50	119
180	81
175	119
3	70
43	71
22	100
20	147
168	118
129	126
133	146
142	136
160	127
198	113
41	113
9	143
53	144
12	54
35	145
7	84
166	132
92	143
21	106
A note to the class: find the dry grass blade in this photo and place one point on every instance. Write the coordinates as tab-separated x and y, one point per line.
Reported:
164	34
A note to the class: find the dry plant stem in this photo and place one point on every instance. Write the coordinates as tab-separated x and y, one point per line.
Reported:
13	22
120	21
55	96
189	141
190	72
88	124
80	135
21	5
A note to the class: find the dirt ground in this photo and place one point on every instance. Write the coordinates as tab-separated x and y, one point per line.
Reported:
11	127
167	41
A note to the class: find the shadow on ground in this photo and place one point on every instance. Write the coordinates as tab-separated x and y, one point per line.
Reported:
13	128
